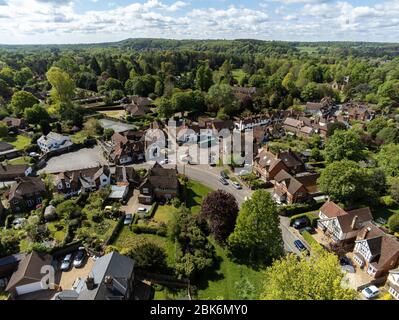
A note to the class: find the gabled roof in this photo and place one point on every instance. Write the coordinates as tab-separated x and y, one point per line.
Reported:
26	185
115	266
292	184
332	210
29	270
13	170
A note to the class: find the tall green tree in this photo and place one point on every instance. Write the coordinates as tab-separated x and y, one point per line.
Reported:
22	100
318	278
63	87
344	145
203	78
257	235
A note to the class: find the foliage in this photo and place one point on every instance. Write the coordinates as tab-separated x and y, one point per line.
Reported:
388	159
148	256
63	87
316	278
393	223
220	209
257	236
312	217
343	145
22	100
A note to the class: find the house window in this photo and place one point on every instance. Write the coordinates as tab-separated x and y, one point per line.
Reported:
145	190
371	270
68	185
30	203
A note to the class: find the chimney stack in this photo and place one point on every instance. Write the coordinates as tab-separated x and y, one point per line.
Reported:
90	283
109	282
368	229
354	221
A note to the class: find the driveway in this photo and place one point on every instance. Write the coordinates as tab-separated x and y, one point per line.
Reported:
68	278
80	159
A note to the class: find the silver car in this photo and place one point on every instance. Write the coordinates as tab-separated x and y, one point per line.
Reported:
66	262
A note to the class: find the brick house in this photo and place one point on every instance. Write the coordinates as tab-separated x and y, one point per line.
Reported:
376	251
159	184
342	226
267	164
26	193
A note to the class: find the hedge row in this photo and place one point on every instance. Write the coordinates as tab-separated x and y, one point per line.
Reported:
298	208
152	210
311	241
116	231
149	229
312	217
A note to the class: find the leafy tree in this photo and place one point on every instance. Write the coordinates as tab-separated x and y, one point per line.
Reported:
113	84
148	256
68	209
257	235
5	90
388	135
86	80
220	95
93	127
245	289
388	159
7	74
203	78
165	108
394	188
345	181
63	87
36	114
311	92
22	100
343	145
141	85
220	209
9	242
95	66
393	223
316	278
108	132
376	125
23	76
332	127
122	71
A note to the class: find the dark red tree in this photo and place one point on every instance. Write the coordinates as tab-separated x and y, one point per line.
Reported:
220	210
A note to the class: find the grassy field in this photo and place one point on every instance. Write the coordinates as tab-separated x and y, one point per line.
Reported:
384	212
222	283
19	141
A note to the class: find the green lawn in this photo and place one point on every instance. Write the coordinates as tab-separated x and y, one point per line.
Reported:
19	141
20	160
164	213
78	137
222	283
196	193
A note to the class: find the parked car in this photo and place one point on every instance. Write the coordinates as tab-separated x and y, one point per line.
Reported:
79	258
165	161
66	262
18	223
300	223
370	292
307	229
223	181
34	154
236	185
299	245
141	209
128	219
224	175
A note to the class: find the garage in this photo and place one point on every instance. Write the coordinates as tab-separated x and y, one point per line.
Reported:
28	288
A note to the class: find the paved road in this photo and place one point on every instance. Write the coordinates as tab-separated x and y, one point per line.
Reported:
209	176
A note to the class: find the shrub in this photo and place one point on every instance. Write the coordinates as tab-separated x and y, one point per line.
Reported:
387	201
152	210
311	241
175	202
393	223
148	229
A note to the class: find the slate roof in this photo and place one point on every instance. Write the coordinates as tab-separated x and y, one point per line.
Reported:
26	185
29	270
114	265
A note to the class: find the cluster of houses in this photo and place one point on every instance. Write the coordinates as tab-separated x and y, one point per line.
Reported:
373	249
286	170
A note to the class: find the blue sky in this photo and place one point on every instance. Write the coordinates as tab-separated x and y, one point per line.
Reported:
85	21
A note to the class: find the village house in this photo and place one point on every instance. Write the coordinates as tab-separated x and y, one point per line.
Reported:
393	283
251	122
353	111
159	184
342	226
111	278
10	172
321	109
267	164
27	278
26	193
293	189
53	142
15	123
125	147
125	176
139	107
297	127
70	183
376	251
